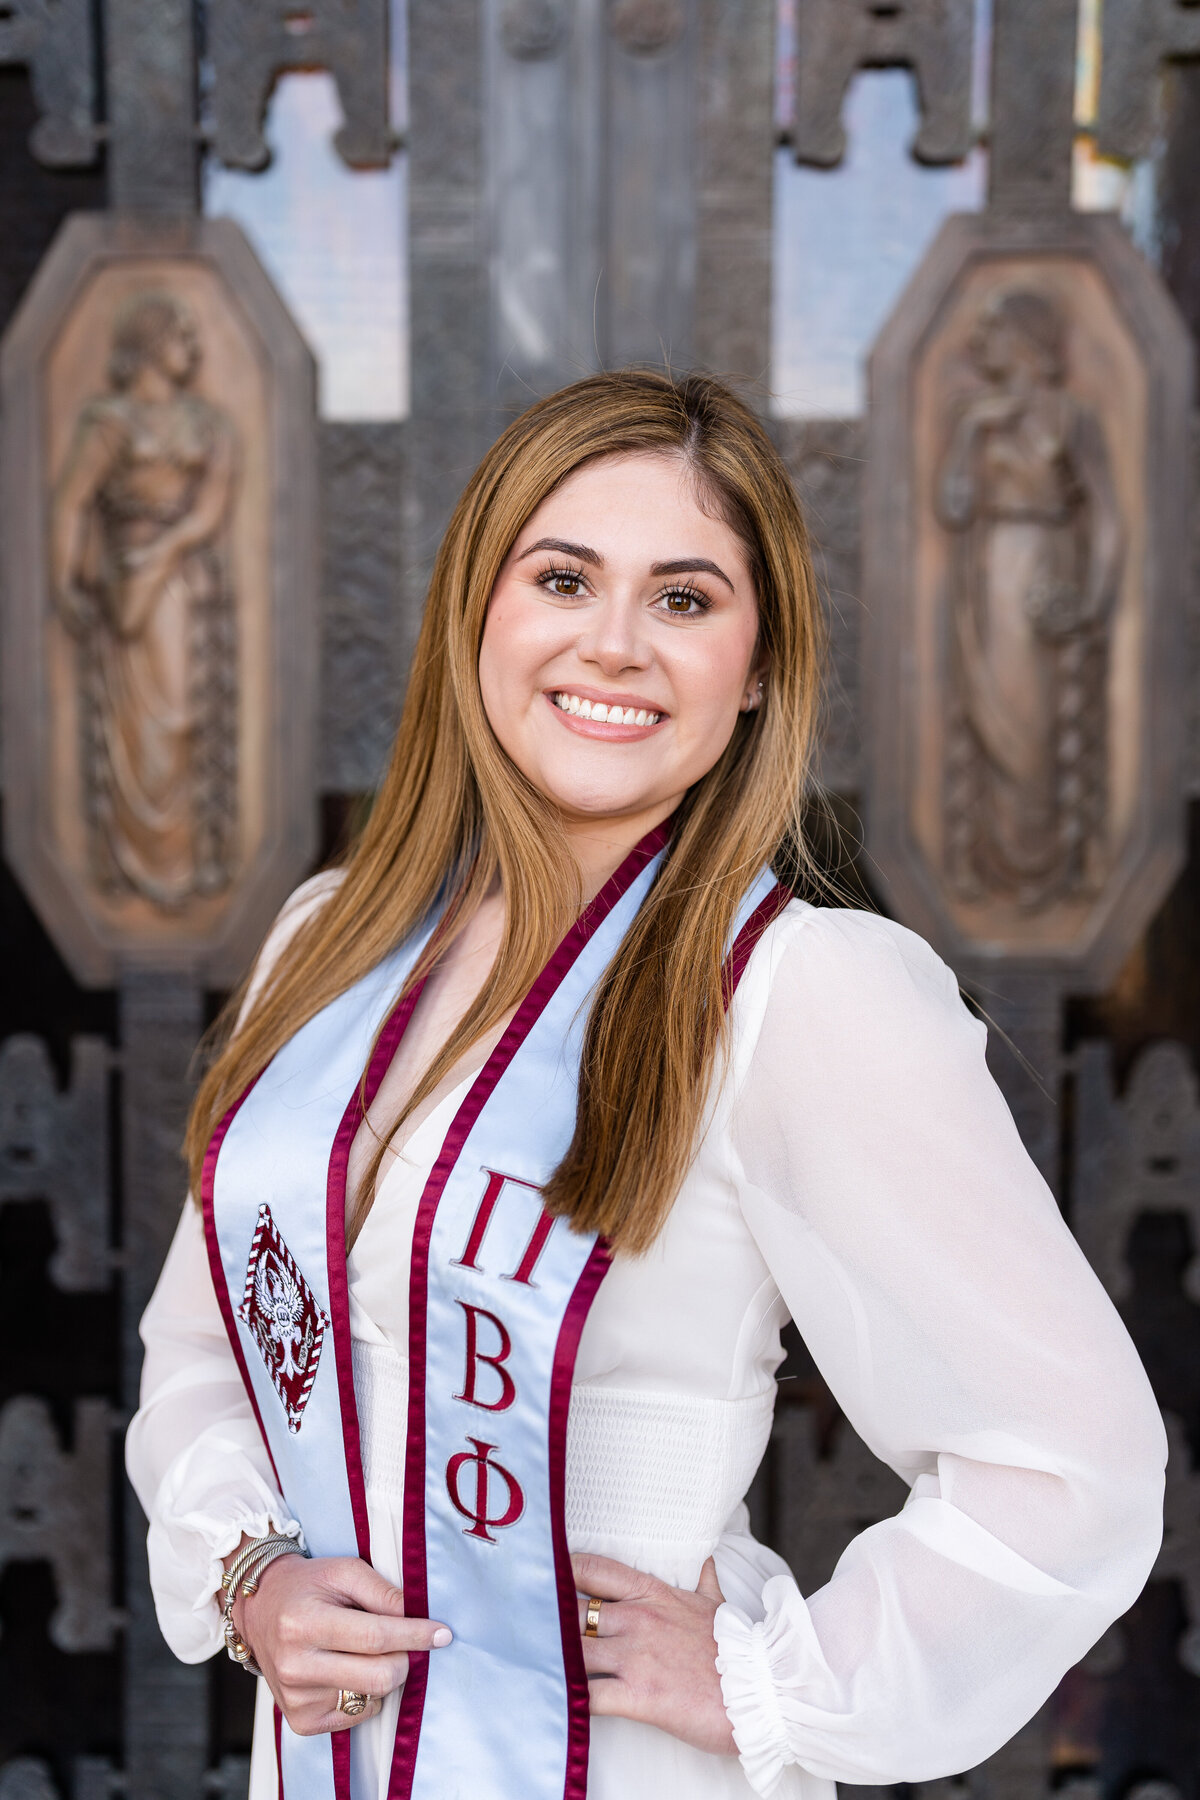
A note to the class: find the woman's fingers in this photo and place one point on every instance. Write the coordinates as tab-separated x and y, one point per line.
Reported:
318	1713
609	1580
612	1696
378	1634
337	1720
607	1624
356	1583
708	1584
602	1656
321	1671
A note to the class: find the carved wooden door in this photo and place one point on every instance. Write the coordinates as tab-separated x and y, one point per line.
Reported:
992	435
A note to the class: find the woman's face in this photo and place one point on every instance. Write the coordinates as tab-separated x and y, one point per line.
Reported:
178	352
620	592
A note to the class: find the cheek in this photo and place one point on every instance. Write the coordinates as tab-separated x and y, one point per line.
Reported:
710	675
509	659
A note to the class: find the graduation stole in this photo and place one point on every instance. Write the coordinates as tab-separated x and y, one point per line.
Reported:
498	1295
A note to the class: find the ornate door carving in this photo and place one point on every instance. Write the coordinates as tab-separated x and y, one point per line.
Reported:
1024	540
158	519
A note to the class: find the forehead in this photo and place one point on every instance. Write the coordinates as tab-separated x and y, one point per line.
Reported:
635	504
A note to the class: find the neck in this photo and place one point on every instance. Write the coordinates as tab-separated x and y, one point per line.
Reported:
601	845
152	386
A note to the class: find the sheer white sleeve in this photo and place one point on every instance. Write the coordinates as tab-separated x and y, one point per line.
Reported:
194	1452
971	1347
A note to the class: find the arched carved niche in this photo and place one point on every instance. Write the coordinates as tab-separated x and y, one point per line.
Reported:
159	445
1024	540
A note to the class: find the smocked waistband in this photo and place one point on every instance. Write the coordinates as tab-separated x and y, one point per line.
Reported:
647	1467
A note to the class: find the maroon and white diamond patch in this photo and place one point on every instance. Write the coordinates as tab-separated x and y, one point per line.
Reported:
282	1313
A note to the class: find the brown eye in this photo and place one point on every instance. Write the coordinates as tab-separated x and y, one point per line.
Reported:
678	602
567	583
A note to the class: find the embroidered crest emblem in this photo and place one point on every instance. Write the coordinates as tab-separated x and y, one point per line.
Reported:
281	1311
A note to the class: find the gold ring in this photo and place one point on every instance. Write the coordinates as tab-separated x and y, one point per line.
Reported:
352	1704
592	1628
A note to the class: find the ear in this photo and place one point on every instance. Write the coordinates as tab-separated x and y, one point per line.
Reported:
756	688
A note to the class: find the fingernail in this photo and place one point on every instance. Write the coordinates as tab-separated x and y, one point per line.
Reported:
442	1636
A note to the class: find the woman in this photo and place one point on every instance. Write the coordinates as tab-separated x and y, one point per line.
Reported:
1027	490
141	564
559	955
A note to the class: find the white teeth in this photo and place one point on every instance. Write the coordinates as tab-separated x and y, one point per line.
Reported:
602	713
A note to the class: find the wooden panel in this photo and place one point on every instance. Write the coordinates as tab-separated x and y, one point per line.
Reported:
1025	595
160	601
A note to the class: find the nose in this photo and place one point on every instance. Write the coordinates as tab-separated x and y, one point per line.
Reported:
614	638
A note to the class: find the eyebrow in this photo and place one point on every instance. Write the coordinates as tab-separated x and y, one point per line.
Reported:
579	551
691	565
684	565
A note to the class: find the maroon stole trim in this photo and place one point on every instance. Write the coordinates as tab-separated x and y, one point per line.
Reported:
413	1537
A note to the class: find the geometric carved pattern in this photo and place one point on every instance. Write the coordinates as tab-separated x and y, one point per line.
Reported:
252	42
1179	1558
92	1778
53	1508
55	39
1136	1155
1140	1154
27	1778
54	1147
1139	36
822	1502
836	38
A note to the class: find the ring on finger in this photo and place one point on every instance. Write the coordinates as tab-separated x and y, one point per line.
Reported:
352	1704
592	1627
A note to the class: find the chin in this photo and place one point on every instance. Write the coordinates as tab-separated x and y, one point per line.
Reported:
588	803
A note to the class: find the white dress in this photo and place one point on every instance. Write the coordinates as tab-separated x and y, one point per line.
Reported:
860	1173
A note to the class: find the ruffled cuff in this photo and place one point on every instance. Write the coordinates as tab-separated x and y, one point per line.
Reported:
755	1660
187	1543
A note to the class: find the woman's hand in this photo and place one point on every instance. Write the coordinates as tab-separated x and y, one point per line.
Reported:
316	1626
655	1656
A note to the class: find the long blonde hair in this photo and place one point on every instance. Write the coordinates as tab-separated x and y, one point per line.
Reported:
454	814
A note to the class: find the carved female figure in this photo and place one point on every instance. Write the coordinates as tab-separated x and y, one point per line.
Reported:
1025	487
140	563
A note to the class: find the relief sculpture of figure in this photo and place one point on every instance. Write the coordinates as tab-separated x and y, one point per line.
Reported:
141	572
1026	489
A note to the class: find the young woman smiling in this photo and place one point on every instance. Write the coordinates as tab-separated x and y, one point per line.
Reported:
535	1122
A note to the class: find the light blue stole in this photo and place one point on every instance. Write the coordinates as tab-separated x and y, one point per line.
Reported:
498	1296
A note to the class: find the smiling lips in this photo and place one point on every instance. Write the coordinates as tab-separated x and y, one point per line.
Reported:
614	718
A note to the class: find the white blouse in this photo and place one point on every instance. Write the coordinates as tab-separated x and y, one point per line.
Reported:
861	1174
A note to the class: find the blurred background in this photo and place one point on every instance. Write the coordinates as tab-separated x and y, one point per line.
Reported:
273	273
